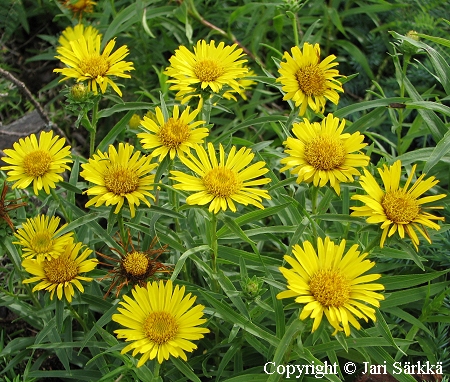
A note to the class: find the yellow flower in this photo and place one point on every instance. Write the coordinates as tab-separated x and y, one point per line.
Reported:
119	176
174	136
332	284
40	237
61	273
321	153
225	182
75	33
307	80
246	85
78	7
209	66
160	322
398	208
36	162
86	63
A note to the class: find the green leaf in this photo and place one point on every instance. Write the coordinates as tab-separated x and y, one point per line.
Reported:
383	329
114	132
357	55
341	113
441	149
127	106
412	295
230	315
185	368
410	280
121	22
180	263
252	216
78	223
232	293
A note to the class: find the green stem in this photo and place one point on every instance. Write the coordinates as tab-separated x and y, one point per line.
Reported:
93	131
78	318
123	235
214	246
156	377
295	28
206	109
61	206
406	60
314	192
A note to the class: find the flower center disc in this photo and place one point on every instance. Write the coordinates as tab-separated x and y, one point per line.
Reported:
208	70
400	207
120	180
37	163
330	288
136	263
61	269
325	152
41	242
221	182
311	80
94	66
173	133
160	327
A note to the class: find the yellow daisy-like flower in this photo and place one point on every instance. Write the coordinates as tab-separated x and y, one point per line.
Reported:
321	153
61	273
246	85
398	208
175	136
223	182
331	283
86	63
78	7
307	80
119	176
36	162
209	66
161	322
77	32
39	237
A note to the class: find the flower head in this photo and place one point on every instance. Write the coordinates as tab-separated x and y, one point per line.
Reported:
398	208
86	63
61	273
40	237
161	322
223	182
78	31
119	176
331	283
173	136
135	266
210	66
36	162
307	80
321	153
78	7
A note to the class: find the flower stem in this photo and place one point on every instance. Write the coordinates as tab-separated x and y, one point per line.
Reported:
93	129
61	206
78	318
121	227
156	377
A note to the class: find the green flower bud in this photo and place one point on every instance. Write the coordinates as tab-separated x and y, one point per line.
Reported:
135	121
